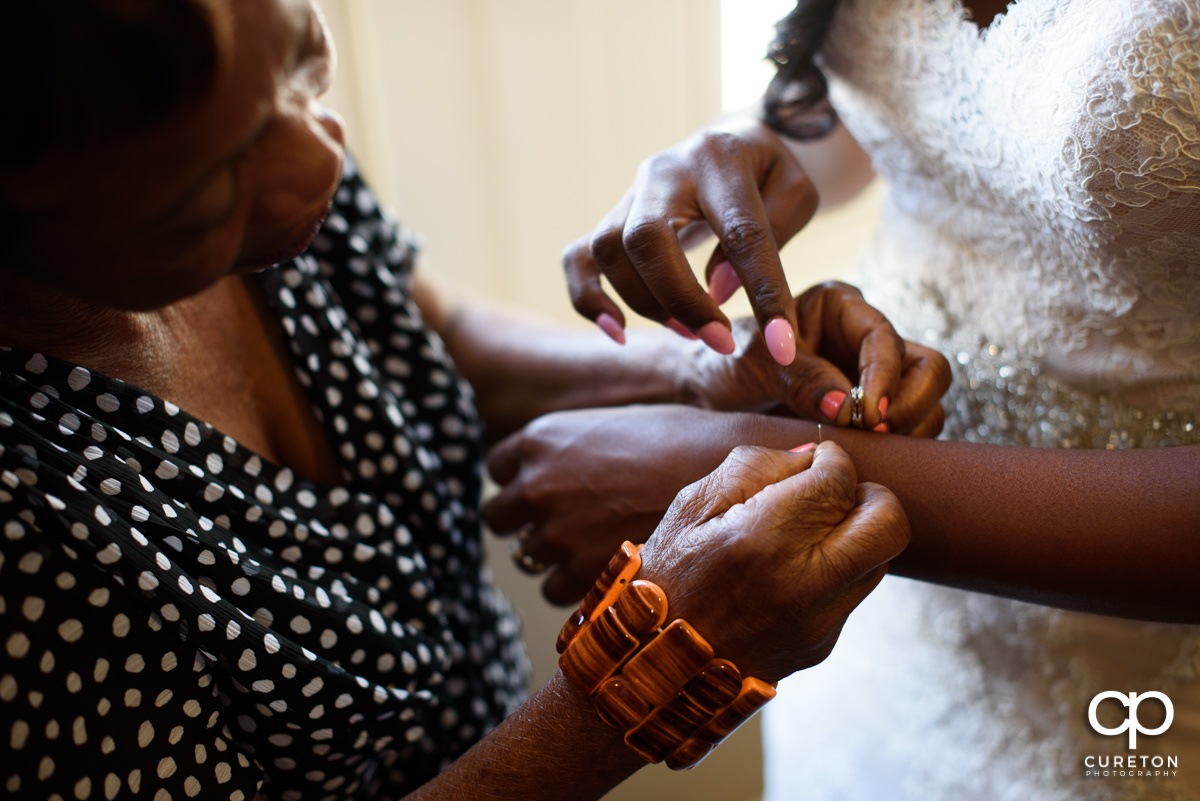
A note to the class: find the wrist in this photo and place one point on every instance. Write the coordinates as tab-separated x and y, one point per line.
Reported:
607	752
675	365
655	678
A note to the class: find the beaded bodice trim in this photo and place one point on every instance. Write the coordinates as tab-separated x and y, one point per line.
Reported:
1058	219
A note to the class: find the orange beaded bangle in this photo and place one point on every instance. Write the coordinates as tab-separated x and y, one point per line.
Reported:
661	685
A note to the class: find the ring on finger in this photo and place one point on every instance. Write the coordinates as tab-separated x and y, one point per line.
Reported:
525	561
856	410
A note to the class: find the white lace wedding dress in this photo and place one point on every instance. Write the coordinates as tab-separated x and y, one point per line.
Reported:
1042	229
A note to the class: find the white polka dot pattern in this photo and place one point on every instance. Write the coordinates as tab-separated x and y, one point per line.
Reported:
181	618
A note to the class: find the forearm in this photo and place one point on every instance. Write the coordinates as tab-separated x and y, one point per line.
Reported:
1112	532
522	369
554	747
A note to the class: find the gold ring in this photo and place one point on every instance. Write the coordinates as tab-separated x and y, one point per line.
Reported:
524	561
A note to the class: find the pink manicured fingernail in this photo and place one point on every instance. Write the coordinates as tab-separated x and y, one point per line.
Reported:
609	325
831	404
724	283
679	328
781	341
717	337
882	428
883	404
805	448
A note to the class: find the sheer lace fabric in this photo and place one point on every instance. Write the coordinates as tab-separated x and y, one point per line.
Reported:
1042	229
1046	176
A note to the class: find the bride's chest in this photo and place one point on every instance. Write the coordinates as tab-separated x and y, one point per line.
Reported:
1087	106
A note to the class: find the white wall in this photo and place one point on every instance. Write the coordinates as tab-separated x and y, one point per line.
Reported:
501	130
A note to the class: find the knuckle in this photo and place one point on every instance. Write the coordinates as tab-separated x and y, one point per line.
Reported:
804	194
888	517
656	165
686	508
836	494
761	294
721	145
746	460
607	245
744	234
689	308
832	286
843	566
646	236
534	494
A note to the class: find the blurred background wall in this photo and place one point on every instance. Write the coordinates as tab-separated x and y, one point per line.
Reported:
503	129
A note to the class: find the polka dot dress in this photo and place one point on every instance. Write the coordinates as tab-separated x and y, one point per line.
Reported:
181	618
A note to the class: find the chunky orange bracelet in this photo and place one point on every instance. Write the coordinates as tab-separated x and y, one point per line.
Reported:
675	702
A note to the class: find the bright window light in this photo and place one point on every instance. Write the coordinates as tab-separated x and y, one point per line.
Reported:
747	27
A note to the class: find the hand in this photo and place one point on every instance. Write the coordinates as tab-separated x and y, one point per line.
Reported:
843	341
768	555
577	484
737	180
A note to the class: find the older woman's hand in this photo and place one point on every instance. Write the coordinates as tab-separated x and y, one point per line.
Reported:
768	555
576	484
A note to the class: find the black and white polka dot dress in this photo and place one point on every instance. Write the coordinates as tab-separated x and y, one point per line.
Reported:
182	619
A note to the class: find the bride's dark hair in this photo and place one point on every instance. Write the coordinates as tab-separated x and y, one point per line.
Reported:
796	102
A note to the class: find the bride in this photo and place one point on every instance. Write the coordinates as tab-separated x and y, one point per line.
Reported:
1041	229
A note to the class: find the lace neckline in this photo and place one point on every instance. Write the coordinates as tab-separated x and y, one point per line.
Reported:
978	26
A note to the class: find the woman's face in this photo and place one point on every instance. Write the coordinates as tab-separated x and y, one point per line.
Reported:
237	181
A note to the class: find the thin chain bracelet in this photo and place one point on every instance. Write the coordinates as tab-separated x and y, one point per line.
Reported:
662	686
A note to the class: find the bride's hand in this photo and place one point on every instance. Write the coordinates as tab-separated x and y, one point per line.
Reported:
843	342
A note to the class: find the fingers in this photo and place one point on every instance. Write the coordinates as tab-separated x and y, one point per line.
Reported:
817	389
609	248
504	458
509	510
587	292
932	425
873	532
746	471
802	551
754	210
563	587
854	334
747	188
806	502
926	377
651	251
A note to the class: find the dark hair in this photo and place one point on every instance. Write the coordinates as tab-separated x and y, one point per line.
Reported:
796	102
82	71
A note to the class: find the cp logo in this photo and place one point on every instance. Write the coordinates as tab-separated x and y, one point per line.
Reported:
1131	722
